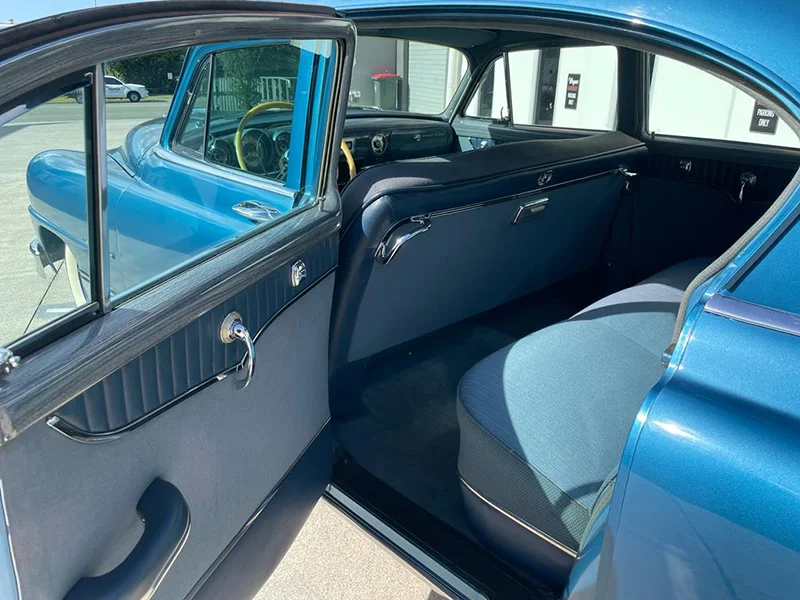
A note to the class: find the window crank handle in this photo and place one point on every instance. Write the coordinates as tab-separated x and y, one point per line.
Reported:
233	330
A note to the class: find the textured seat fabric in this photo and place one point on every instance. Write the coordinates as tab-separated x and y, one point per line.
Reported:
543	421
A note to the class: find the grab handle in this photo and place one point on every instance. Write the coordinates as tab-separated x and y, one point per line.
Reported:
166	526
399	236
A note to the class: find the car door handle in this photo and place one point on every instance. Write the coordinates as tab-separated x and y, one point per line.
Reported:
167	521
256	211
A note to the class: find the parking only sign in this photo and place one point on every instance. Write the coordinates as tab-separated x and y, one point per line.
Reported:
573	87
764	119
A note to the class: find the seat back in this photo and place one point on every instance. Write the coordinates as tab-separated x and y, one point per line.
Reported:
429	242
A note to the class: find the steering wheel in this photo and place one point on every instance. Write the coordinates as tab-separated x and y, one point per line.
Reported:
259	108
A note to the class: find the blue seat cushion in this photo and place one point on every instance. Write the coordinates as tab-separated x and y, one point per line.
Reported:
543	420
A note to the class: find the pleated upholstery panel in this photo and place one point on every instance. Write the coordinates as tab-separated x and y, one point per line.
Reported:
193	355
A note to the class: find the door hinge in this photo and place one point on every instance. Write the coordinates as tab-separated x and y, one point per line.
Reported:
8	361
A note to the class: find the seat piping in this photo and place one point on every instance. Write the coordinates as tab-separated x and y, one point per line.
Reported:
523	524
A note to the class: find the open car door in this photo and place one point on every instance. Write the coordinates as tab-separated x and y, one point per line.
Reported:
166	434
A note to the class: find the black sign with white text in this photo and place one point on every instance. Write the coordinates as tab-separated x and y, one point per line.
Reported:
573	86
764	119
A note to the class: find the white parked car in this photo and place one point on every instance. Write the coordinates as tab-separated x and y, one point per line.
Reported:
117	89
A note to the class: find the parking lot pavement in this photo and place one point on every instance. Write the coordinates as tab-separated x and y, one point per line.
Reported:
334	559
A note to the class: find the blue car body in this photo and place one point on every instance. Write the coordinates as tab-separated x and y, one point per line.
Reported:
707	501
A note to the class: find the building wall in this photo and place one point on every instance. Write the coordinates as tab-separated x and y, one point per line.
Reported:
373	55
427	74
524	69
687	101
597	95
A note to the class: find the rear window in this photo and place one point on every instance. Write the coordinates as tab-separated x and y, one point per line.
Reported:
404	76
687	101
573	88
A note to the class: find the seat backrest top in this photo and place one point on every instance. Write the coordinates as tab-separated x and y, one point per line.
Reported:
474	166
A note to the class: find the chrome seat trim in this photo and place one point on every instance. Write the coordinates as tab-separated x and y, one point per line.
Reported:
541	534
743	311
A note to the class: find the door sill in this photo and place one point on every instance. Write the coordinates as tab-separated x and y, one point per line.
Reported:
444	581
460	566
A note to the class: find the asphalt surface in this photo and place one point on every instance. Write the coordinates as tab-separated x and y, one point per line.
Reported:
332	558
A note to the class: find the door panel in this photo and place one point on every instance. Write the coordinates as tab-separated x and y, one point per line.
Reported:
693	186
123	394
224	449
193	357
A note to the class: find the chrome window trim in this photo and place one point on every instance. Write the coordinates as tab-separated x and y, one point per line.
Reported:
542	535
759	315
97	190
185	112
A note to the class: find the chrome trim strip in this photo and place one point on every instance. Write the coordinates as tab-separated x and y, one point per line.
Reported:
753	314
428	567
387	249
87	437
518	196
523	524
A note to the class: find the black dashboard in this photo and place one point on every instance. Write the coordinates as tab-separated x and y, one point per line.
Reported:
372	140
384	139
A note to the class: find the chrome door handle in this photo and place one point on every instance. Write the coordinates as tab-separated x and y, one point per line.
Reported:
233	330
256	211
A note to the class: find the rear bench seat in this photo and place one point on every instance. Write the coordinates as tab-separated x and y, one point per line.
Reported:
544	420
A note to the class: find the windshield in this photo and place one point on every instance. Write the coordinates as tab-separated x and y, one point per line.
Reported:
404	76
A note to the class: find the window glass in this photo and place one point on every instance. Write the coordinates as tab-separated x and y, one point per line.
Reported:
44	267
489	100
404	75
553	87
687	101
254	86
192	135
249	122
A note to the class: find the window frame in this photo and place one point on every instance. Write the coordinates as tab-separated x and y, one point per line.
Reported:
172	146
31	92
668	138
451	106
477	79
81	315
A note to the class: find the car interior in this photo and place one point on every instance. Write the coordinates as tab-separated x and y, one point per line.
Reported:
515	257
503	299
